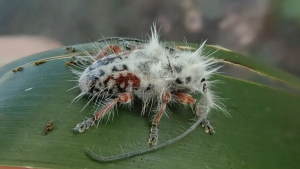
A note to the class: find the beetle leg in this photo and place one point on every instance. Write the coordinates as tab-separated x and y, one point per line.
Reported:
115	48
122	98
187	99
153	139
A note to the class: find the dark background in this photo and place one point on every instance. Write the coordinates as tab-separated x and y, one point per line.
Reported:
268	30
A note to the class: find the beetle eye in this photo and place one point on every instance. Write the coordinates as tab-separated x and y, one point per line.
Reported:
202	80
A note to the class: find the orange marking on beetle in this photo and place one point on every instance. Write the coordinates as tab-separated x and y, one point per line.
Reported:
126	79
125	98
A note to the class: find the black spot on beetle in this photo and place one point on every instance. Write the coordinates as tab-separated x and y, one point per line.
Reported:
101	73
114	69
150	86
121	90
188	79
178	81
119	58
178	68
125	67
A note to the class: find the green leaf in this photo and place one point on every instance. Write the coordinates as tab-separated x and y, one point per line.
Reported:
263	133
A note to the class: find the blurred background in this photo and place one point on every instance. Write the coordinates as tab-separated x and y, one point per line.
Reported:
268	30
